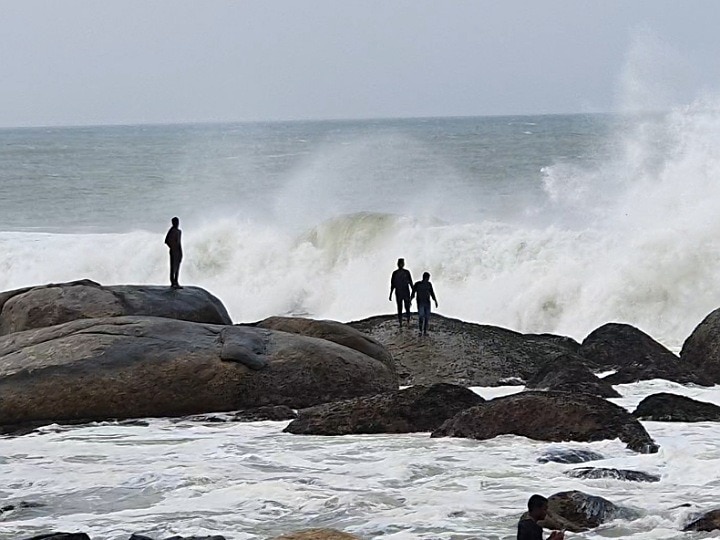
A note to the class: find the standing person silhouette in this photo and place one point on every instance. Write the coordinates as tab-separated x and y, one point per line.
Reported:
424	291
173	241
401	283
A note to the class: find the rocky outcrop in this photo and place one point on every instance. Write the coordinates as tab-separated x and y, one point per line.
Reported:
595	473
550	416
568	373
463	353
318	534
576	511
701	351
48	305
665	407
334	331
708	522
129	367
415	409
635	356
569	455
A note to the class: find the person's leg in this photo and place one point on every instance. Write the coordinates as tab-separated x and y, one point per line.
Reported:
427	319
399	302
421	316
407	309
173	267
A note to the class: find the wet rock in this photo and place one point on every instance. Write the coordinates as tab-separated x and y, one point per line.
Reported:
135	367
210	537
318	534
708	522
635	356
61	536
463	353
576	511
569	455
48	305
701	351
666	407
334	331
274	413
568	373
550	416
415	409
593	473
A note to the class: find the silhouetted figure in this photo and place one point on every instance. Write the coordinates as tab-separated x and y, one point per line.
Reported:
424	292
529	528
401	283
173	241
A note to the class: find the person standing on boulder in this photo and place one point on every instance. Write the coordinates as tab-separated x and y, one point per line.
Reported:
401	282
173	241
529	528
424	291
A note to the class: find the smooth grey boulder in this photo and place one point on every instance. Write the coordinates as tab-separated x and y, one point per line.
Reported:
48	305
130	367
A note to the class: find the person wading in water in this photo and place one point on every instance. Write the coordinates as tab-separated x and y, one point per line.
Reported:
173	241
401	282
529	528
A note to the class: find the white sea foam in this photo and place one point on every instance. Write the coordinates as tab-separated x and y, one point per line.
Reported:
250	481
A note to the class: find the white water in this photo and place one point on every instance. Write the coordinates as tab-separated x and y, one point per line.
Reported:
250	481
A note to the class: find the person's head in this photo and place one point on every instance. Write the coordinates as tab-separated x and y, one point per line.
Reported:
176	222
401	263
537	507
426	276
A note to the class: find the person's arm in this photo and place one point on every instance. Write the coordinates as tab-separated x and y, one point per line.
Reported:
392	285
557	535
167	239
412	296
432	294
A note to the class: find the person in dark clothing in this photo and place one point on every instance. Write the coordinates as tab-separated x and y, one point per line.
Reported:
401	282
529	528
424	291
173	241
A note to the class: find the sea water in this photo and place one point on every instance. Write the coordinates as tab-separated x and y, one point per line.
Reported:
544	224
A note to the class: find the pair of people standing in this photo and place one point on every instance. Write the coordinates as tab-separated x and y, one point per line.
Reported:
405	291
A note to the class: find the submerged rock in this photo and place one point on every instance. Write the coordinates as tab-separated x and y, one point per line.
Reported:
318	534
701	350
708	522
48	305
569	455
550	416
61	536
576	511
415	409
130	367
635	356
276	413
463	353
593	473
666	407
568	373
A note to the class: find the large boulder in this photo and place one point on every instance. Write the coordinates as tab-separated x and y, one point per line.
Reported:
463	353
595	473
129	367
701	351
568	373
707	522
666	407
48	305
550	416
419	408
334	331
318	534
576	511
635	356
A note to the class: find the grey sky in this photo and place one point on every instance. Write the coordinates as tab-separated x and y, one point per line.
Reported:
94	62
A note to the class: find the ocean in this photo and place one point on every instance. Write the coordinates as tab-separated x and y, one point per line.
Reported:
536	223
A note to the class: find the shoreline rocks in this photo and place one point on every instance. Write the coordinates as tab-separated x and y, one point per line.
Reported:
666	407
568	373
701	349
595	473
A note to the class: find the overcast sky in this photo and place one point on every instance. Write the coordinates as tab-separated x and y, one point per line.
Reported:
76	62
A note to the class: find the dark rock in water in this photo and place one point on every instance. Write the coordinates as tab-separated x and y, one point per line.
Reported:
568	373
48	305
275	413
211	537
636	357
593	473
462	353
665	407
334	331
708	522
139	537
135	367
701	350
18	506
550	416
569	455
415	409
576	511
317	534
61	536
